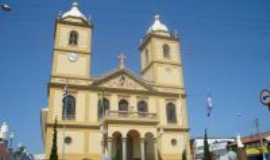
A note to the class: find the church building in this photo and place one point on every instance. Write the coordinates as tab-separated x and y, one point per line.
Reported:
119	114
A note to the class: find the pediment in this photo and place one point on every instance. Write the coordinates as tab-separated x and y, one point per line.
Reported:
122	80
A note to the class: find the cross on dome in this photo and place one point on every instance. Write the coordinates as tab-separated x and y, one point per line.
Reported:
75	4
157	17
157	25
121	60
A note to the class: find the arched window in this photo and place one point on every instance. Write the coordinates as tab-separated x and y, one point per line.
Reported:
142	107
69	107
123	105
73	38
103	106
171	113
166	51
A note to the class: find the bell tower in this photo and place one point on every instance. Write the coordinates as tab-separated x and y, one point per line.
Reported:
72	45
160	56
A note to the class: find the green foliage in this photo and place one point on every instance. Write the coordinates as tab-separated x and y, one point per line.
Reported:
21	153
54	155
207	153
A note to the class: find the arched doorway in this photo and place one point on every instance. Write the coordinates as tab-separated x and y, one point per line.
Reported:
117	146
133	145
149	146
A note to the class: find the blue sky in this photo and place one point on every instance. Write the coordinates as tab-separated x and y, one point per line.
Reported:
225	49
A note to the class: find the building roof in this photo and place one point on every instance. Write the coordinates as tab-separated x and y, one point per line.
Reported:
255	138
3	151
74	12
157	26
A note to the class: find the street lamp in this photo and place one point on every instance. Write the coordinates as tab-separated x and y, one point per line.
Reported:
5	7
265	98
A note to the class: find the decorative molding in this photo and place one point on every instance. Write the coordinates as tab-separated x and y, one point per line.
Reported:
159	62
114	90
175	128
123	82
80	125
148	37
85	24
72	50
69	77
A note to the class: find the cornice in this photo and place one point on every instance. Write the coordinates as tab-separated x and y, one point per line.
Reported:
113	90
85	24
131	121
71	50
159	62
174	128
148	37
168	86
71	78
84	125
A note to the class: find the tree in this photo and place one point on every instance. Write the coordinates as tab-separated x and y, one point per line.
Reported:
207	153
54	155
21	153
184	155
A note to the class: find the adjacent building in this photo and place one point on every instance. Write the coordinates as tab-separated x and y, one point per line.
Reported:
119	113
5	153
218	147
256	145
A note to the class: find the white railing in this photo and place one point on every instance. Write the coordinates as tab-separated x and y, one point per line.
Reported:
131	115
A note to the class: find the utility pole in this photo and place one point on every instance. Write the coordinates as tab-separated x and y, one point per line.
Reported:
257	123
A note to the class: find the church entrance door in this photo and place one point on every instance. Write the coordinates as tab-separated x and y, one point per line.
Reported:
117	146
133	145
149	147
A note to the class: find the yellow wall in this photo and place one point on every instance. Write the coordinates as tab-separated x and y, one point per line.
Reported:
160	70
62	37
85	128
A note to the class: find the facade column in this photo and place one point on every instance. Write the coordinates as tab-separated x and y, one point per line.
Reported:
155	148
142	149
124	148
109	146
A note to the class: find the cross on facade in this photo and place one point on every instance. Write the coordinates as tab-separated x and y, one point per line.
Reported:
121	59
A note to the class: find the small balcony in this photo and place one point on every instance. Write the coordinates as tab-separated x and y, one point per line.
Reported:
130	117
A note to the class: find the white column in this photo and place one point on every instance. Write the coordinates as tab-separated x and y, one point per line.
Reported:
155	148
142	149
109	143
124	148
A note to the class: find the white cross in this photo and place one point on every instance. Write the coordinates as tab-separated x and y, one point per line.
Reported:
121	59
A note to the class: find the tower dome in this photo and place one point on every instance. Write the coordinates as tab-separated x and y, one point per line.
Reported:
74	12
157	26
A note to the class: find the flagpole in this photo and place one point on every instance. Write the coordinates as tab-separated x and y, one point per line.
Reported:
209	108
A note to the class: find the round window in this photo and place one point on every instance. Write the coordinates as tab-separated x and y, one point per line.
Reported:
174	142
68	140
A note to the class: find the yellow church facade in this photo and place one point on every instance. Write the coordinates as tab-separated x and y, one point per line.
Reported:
120	114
